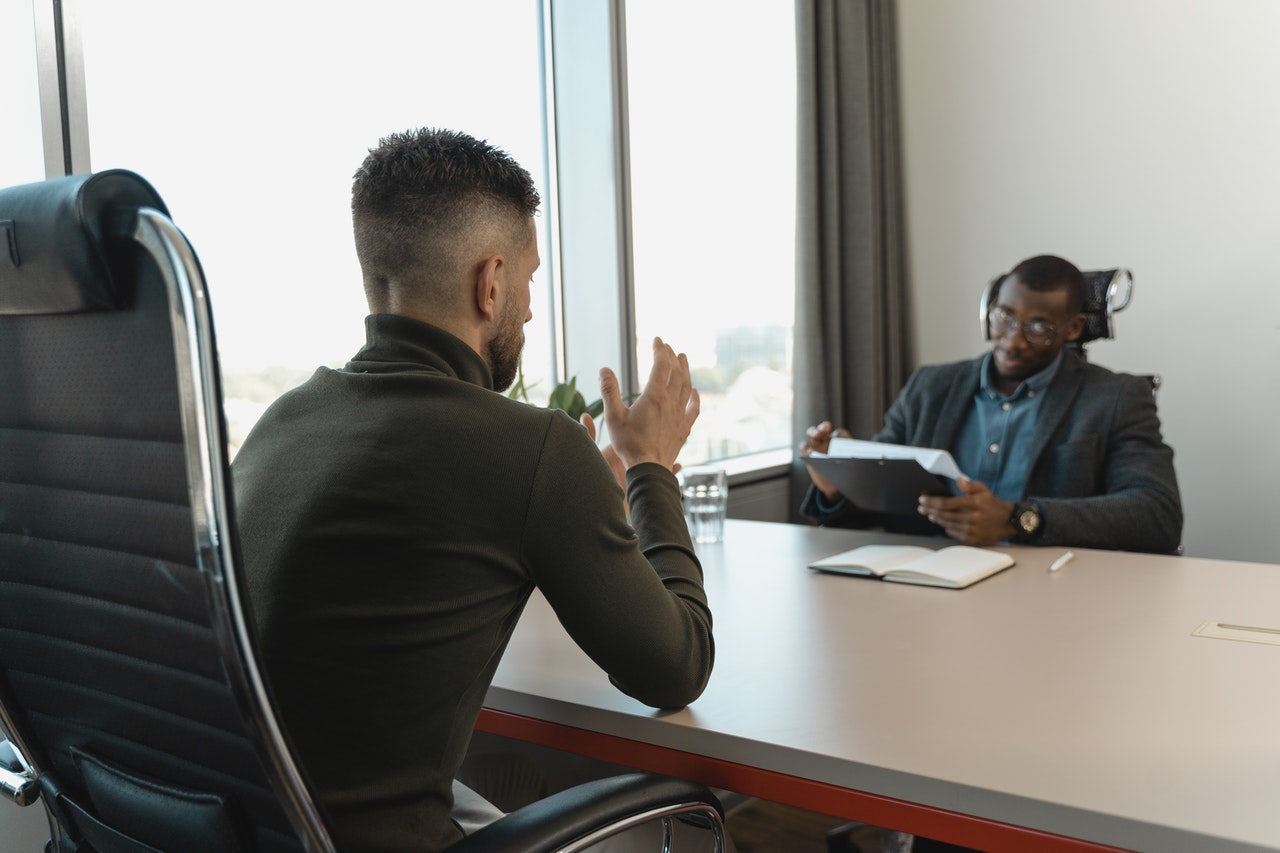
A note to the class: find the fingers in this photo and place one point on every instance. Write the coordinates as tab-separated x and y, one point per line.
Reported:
589	422
821	429
663	357
614	409
685	389
929	506
670	376
972	487
671	382
946	511
975	517
818	438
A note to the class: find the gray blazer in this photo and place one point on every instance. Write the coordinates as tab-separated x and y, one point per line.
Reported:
1101	472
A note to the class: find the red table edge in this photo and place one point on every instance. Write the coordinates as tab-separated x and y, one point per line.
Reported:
821	797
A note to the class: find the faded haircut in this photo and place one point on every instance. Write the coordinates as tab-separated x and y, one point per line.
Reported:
420	199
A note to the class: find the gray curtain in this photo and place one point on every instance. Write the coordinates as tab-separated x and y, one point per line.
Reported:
852	329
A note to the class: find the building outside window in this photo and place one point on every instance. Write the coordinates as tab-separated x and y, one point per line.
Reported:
711	101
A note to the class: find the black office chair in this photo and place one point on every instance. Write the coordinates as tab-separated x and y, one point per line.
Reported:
1106	293
129	681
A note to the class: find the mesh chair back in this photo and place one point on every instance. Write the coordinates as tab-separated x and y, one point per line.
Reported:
1105	293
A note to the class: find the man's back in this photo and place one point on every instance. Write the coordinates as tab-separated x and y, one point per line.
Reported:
394	517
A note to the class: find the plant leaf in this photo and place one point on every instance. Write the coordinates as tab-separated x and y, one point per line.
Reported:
561	397
569	399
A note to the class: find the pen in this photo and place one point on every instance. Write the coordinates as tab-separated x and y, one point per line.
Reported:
1061	561
1248	628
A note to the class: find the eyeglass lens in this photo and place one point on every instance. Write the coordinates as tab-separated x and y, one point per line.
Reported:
1036	331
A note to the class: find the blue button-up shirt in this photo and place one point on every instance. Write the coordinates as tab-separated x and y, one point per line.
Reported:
994	444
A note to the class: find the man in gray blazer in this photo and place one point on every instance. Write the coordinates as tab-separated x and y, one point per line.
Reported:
1061	451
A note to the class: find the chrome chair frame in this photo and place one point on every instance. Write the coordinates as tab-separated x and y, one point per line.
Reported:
204	437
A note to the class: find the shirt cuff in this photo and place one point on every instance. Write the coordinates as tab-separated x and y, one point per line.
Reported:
820	502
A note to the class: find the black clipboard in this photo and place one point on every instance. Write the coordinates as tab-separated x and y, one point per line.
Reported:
891	486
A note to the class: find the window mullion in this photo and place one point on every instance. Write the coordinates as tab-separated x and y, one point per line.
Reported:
592	192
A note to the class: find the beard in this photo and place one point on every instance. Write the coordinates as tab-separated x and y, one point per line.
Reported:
504	350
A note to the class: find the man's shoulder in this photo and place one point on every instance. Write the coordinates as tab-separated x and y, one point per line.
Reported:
533	428
1096	376
399	410
548	430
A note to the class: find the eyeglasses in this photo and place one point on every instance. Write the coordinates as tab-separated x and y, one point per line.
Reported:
1040	333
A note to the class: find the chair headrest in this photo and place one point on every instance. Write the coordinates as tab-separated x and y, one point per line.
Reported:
1105	293
60	241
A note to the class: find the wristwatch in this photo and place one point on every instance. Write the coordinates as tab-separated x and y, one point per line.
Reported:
1025	520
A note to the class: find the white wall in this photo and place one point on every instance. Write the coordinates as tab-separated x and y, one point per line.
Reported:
1138	133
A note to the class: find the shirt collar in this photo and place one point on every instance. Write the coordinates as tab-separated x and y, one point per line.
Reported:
1034	383
395	343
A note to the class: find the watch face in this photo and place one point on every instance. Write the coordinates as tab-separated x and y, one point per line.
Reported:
1029	521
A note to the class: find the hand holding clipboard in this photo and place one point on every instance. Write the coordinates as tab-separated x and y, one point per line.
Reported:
885	477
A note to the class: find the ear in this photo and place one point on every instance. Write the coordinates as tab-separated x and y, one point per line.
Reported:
1075	328
488	276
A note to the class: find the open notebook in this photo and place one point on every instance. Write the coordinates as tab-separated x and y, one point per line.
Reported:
955	566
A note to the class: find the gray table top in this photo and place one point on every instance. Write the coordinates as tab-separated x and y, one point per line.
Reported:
1078	703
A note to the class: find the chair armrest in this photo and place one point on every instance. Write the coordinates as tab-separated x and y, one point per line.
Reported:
579	811
17	782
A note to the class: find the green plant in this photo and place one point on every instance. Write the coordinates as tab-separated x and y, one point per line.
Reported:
564	396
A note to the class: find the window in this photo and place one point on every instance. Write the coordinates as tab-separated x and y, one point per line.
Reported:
711	103
250	119
21	142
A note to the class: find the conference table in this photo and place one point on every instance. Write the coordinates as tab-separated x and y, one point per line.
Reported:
1124	702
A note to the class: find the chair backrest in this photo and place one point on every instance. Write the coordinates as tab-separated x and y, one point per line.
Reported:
1106	292
128	680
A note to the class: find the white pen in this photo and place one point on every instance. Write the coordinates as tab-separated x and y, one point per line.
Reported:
1061	561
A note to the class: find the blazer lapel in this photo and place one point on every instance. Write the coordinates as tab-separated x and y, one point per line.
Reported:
1053	409
959	401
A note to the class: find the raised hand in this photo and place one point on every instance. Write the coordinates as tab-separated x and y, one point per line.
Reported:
655	426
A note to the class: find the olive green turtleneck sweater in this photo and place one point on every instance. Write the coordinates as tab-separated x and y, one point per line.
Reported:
394	517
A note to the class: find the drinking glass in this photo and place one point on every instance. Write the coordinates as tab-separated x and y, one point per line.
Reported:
705	493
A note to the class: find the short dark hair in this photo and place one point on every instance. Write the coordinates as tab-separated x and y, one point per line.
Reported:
1049	272
416	196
